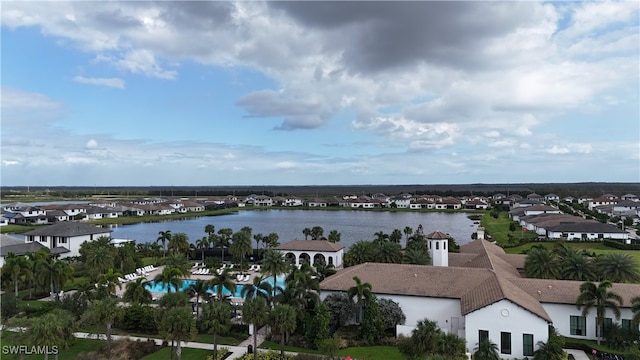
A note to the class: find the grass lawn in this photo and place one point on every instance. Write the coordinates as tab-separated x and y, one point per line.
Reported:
187	354
80	345
372	353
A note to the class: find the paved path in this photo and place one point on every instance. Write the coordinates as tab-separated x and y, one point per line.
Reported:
577	354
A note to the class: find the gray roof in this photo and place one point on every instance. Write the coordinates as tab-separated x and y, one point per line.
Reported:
21	249
67	229
587	227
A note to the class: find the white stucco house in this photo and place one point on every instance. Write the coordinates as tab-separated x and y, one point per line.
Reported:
479	293
68	235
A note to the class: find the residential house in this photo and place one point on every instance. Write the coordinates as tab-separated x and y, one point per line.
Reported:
587	230
316	202
551	197
68	234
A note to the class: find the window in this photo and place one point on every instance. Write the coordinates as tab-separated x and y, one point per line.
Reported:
437	246
578	325
527	344
607	322
444	246
626	324
505	343
63	240
483	334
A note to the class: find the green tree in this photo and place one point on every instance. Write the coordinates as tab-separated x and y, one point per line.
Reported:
179	262
217	319
486	350
372	327
635	308
617	267
199	290
98	256
273	264
171	277
451	346
552	349
255	311
202	244
541	263
136	292
103	312
241	245
54	273
317	330
359	253
258	288
387	252
173	300
164	237
407	232
395	236
381	236
282	320
220	281
423	340
417	253
16	268
362	293
306	232
600	298
576	266
179	243
334	236
177	325
53	329
223	239
391	313
316	233
110	280
272	240
258	238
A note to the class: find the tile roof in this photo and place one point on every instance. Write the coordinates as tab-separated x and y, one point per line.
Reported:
310	245
438	235
21	249
68	228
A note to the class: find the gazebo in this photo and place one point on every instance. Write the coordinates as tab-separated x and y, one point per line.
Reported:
312	251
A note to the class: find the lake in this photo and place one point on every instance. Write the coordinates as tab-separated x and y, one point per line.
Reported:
288	224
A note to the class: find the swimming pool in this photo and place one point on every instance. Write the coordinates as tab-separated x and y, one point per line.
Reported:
162	288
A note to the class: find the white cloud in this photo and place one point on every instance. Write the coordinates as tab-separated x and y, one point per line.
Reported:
10	162
108	82
91	144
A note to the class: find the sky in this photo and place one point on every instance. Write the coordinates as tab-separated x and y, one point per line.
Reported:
206	93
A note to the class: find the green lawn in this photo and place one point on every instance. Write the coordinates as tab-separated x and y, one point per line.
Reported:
80	345
187	354
597	248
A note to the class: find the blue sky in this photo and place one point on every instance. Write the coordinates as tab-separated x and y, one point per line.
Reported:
319	93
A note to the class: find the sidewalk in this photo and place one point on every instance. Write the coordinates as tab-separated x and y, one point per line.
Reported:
577	354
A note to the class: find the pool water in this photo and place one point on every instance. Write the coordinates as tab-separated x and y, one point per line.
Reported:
162	288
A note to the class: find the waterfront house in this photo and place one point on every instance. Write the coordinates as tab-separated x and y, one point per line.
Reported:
68	235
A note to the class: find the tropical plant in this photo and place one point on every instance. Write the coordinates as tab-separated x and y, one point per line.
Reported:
164	237
170	276
486	350
173	300
255	311
407	232
136	292
576	266
334	236
258	288
372	327
417	253
179	262
282	320
617	267
272	240
381	236
103	312
273	264
199	290
220	281
316	233
318	326
362	293
306	232
359	253
541	263
395	236
217	319
178	325
258	238
451	346
202	244
387	252
179	243
98	256
17	268
600	298
343	310
241	245
110	280
635	308
423	340
391	313
51	330
552	349
224	239
54	273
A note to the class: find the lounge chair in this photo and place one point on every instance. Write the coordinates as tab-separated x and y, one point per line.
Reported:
252	268
205	271
246	277
257	268
230	266
195	265
122	280
239	277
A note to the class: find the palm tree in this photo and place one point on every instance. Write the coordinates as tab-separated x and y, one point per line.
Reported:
258	238
635	309
395	236
306	232
255	311
241	245
99	258
381	236
223	239
360	252
575	266
53	329
54	273
179	244
387	252
407	232
600	298
417	254
282	320
552	349
222	280
105	312
177	324
273	264
136	292
541	263
179	262
202	244
272	240
486	350
217	315
617	267
259	288
170	276
164	237
210	230
361	292
198	288
17	267
451	346
334	236
423	341
110	280
316	232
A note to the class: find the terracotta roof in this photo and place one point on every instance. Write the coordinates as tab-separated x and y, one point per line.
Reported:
438	235
68	228
310	245
566	292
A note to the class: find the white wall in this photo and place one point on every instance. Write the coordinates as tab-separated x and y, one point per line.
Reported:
416	308
508	317
560	314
